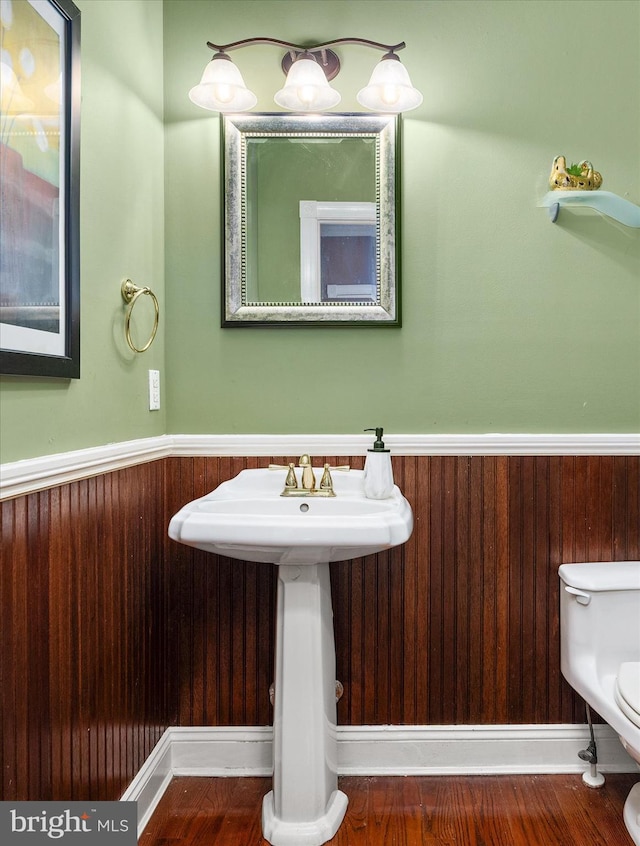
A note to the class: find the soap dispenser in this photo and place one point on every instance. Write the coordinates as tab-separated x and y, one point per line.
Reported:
378	474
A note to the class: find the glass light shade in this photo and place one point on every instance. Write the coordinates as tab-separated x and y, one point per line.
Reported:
222	88
306	89
389	89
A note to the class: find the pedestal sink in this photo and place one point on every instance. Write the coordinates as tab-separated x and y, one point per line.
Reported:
247	518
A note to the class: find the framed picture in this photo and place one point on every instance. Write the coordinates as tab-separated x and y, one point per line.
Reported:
39	185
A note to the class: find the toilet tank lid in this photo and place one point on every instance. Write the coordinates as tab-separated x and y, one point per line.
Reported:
602	575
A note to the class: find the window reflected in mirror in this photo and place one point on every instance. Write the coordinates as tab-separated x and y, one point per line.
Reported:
338	252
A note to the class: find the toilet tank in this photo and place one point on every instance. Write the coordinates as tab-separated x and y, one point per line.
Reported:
599	616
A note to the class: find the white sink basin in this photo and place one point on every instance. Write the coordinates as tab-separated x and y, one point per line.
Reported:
246	518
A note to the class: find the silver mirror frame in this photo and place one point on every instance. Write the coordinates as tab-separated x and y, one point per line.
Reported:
236	130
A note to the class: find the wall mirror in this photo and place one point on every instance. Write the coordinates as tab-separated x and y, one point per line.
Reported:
310	220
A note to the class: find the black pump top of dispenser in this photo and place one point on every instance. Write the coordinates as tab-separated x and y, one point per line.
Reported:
378	444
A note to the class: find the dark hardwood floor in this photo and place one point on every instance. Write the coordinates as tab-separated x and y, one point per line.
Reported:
526	810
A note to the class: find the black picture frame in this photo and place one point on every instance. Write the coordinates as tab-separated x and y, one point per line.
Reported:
25	349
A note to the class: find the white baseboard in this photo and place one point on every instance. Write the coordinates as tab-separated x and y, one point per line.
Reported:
475	750
151	781
33	474
379	750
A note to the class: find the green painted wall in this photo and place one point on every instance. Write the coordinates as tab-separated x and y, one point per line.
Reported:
121	235
510	323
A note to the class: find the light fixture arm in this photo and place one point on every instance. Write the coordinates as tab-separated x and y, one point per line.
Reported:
245	42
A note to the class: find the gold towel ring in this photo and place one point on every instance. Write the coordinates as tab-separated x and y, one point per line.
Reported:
130	294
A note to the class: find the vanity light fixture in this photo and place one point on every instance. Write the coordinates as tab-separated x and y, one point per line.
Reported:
309	71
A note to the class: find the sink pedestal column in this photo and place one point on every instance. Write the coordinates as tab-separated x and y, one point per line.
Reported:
305	807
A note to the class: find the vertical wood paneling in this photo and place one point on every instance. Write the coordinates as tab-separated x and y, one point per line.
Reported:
110	631
221	616
431	561
81	605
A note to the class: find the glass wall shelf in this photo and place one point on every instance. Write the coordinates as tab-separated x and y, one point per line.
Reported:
605	202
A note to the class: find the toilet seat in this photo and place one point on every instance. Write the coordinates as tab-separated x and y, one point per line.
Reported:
627	690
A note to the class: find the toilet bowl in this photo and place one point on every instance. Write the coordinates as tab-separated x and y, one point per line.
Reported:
627	690
600	651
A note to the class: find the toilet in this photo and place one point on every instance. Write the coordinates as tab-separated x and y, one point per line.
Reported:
600	651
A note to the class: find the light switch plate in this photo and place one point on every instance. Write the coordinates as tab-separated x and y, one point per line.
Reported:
154	390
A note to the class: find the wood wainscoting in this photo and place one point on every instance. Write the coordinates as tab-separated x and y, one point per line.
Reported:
111	632
82	636
458	626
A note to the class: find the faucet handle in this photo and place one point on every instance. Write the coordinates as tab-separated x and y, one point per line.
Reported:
305	461
326	483
291	481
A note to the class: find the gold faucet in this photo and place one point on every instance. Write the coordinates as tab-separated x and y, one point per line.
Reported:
307	486
308	476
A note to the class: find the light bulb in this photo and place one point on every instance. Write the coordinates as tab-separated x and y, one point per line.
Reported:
307	94
390	94
223	92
